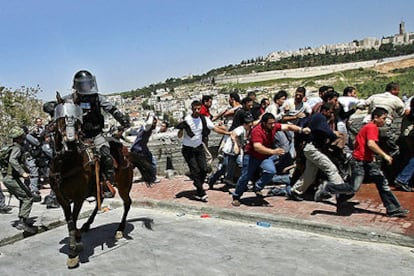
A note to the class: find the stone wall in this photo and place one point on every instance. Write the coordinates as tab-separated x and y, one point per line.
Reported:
167	149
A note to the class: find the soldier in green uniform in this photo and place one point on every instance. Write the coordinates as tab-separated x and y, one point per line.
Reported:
11	179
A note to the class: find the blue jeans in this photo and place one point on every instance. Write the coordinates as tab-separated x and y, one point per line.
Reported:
407	173
360	169
250	166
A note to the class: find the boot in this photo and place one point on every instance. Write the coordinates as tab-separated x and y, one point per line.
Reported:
36	197
52	204
23	225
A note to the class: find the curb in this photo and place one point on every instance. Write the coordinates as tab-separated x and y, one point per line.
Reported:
353	233
359	234
40	229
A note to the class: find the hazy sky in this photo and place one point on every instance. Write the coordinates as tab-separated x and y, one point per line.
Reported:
129	44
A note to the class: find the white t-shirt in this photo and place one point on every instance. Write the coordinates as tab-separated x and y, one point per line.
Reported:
293	108
312	101
348	102
240	133
197	128
276	110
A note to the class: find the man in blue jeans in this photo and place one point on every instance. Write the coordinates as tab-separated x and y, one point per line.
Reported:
364	165
257	155
402	181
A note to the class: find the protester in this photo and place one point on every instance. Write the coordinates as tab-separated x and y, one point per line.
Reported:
191	130
257	153
141	156
321	136
364	166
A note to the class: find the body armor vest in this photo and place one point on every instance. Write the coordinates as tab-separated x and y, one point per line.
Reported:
93	120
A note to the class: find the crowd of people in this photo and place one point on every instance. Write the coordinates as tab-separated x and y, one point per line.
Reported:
298	144
303	145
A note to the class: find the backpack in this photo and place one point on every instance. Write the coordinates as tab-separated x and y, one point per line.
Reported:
4	156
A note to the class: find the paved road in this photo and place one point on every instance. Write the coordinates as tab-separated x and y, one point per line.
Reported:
191	245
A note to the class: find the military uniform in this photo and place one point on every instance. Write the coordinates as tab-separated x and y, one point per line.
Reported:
11	179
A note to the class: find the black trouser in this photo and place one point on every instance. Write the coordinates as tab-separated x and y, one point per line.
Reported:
107	164
144	164
196	160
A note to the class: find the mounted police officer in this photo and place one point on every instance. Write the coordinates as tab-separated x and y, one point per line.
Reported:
85	94
11	179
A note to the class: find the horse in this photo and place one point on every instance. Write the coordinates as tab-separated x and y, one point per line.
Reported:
74	175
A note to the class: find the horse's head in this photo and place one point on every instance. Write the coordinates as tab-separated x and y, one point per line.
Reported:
68	119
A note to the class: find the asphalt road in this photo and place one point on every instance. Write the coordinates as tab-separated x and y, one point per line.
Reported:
182	244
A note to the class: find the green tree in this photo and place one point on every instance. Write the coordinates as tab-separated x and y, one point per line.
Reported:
18	108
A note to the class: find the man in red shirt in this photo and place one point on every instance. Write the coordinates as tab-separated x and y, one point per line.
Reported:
364	165
206	101
257	152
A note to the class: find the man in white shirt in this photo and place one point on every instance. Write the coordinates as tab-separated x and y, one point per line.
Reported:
192	130
349	98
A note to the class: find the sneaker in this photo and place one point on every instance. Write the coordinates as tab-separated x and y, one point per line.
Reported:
52	204
399	213
5	210
277	192
235	203
294	196
229	182
203	198
259	193
321	194
156	180
25	227
36	197
402	186
341	199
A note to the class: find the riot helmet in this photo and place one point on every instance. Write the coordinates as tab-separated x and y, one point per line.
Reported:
85	83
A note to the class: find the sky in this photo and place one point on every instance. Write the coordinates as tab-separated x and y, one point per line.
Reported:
129	44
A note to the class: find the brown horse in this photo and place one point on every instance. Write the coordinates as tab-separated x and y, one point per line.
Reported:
73	177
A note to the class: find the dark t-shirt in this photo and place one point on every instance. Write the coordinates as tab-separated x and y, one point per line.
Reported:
320	130
238	118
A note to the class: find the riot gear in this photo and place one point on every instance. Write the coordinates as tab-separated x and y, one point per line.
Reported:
85	83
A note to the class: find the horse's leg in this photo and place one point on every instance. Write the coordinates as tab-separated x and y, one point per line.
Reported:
87	225
73	258
77	206
124	187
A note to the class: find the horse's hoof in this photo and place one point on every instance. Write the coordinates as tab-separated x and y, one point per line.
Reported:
119	235
73	262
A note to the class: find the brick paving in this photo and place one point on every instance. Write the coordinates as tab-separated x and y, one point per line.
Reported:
365	210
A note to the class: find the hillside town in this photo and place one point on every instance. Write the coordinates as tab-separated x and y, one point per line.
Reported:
401	38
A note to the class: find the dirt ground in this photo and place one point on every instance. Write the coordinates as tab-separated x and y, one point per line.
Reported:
387	67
